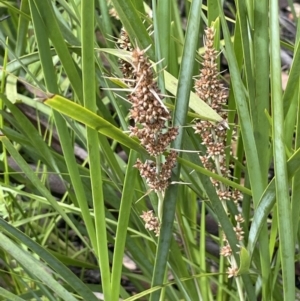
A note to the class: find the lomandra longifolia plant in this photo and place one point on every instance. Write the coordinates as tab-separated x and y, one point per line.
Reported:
151	118
80	206
210	89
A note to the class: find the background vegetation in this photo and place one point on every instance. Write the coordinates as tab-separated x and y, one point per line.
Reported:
70	199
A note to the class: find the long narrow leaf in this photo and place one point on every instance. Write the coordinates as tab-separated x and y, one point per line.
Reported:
65	139
38	184
124	214
50	21
181	107
244	117
89	99
93	121
267	202
36	267
56	265
281	179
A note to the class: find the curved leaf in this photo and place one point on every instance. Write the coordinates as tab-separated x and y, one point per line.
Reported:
92	120
267	202
36	267
56	265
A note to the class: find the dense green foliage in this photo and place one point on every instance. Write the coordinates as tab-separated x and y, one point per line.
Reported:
71	200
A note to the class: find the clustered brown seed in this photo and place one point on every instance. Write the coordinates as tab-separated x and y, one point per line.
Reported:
210	89
232	272
151	222
112	11
157	181
226	250
151	123
239	229
148	112
126	68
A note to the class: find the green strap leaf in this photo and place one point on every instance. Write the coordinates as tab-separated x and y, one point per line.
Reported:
92	120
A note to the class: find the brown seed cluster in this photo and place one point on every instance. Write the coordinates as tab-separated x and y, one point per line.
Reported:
112	11
238	229
226	251
209	88
151	222
151	124
232	272
157	181
126	68
148	112
150	116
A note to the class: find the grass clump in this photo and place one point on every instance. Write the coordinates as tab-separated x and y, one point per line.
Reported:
125	138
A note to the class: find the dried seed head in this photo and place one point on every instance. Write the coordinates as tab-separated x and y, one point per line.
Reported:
157	182
226	251
151	222
232	272
208	86
210	89
126	68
